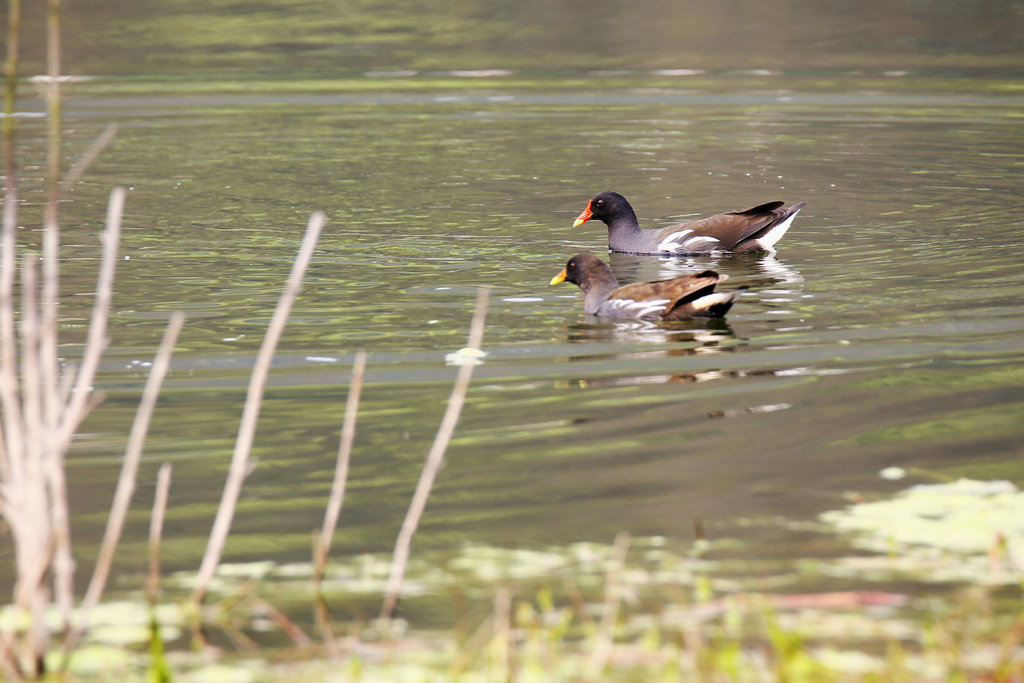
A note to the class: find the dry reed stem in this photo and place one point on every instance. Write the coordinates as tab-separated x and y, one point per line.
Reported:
435	458
126	480
26	500
96	340
254	397
604	639
472	646
322	543
12	495
10	444
8	667
286	625
29	507
85	161
49	370
502	650
78	405
47	512
31	386
11	435
39	410
11	74
337	496
322	623
156	527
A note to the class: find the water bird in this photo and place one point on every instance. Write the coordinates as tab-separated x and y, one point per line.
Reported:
686	296
755	229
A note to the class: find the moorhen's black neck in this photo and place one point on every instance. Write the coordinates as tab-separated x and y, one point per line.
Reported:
622	219
623	226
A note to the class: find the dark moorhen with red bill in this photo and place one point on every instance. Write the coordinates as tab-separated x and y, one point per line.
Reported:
687	296
758	228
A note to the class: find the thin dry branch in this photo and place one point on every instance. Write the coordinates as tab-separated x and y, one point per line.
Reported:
96	340
26	504
10	442
31	386
502	646
72	413
10	93
435	458
337	497
250	413
156	527
75	173
10	402
287	626
48	357
126	480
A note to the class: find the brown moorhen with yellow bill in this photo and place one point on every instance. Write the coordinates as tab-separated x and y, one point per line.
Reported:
686	296
755	229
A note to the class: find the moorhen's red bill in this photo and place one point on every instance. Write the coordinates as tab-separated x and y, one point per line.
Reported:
687	296
755	229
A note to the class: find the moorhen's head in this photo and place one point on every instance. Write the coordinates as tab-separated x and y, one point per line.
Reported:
581	269
604	206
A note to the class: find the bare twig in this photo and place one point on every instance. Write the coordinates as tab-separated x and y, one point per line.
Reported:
337	497
10	96
11	75
35	423
97	337
322	542
8	662
85	161
75	410
31	387
126	480
25	501
246	430
501	636
51	265
10	432
435	457
156	527
322	622
289	627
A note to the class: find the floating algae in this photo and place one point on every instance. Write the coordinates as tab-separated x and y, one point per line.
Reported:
966	529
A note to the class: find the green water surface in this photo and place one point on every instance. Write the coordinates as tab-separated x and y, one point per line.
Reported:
451	149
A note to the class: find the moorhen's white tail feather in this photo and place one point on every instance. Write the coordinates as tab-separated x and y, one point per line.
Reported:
767	241
715	305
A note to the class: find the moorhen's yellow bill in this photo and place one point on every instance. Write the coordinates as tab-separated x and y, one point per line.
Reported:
686	296
755	229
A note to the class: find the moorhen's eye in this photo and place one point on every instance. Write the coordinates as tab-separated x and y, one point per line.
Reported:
600	202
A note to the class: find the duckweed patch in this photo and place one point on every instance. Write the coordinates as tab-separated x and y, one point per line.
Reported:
682	615
965	530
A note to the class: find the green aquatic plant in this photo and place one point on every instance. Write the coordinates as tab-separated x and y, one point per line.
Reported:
159	669
963	530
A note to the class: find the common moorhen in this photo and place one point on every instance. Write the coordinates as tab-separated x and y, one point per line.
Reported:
755	229
686	296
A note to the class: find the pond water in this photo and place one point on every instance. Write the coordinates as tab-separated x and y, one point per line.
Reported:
887	331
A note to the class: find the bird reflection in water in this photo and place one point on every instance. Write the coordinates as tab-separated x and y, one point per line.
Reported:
659	340
753	271
686	337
